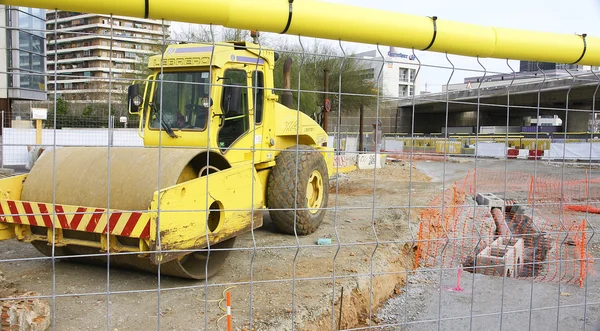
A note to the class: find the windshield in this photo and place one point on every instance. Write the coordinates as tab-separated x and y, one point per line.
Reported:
182	94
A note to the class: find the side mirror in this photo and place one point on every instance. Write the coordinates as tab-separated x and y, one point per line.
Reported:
232	99
134	97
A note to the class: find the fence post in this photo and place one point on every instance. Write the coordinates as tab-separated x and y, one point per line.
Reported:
529	199
582	257
587	185
419	238
2	156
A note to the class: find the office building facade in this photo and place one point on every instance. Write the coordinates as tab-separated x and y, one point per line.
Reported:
22	56
397	72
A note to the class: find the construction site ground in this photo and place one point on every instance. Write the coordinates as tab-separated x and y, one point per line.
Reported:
370	263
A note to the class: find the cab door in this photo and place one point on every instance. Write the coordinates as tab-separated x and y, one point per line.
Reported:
243	105
235	106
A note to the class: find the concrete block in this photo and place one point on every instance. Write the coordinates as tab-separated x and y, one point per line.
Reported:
515	245
369	161
345	160
493	261
489	199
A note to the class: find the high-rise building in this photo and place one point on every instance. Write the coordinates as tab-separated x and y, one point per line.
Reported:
22	56
397	72
79	53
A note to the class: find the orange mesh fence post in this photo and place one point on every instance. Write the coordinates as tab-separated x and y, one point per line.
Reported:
464	186
582	265
419	238
455	202
530	191
473	187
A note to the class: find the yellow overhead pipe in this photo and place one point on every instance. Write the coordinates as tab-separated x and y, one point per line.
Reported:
313	18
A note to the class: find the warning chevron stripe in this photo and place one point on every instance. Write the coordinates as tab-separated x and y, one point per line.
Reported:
120	223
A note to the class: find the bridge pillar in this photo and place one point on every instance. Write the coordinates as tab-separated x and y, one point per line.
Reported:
577	121
404	120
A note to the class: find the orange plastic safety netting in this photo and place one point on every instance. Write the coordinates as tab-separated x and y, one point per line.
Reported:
532	233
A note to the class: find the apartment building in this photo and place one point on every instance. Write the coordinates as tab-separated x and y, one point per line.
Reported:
85	61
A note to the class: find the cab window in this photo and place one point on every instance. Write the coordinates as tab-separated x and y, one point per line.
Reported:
235	111
181	100
258	93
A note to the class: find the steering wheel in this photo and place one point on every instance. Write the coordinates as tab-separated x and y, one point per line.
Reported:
199	111
195	108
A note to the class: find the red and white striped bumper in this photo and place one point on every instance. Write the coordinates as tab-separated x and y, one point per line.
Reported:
96	220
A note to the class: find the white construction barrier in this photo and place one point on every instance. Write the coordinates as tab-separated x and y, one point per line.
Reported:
16	141
523	154
393	146
575	151
489	149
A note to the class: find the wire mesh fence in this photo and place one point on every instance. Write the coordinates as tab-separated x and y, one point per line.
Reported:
176	187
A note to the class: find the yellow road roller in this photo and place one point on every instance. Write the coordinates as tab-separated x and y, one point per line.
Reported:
218	150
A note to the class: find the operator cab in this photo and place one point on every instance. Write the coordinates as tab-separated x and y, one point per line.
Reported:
185	104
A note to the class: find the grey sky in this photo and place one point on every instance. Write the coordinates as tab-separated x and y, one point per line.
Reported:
575	16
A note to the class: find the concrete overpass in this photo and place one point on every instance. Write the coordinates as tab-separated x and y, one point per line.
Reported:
463	107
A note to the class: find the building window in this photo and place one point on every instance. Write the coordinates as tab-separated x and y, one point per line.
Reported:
368	74
413	75
130	55
31	23
29	42
87	53
403	75
402	91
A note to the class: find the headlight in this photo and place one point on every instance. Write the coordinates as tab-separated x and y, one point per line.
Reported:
205	102
137	100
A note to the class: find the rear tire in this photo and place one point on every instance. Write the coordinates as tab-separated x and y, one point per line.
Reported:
304	204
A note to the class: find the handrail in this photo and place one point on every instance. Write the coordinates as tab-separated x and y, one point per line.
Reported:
313	18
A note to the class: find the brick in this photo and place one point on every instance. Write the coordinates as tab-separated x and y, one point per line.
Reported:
26	315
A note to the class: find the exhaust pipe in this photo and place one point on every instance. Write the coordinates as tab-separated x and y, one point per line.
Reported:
287	99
